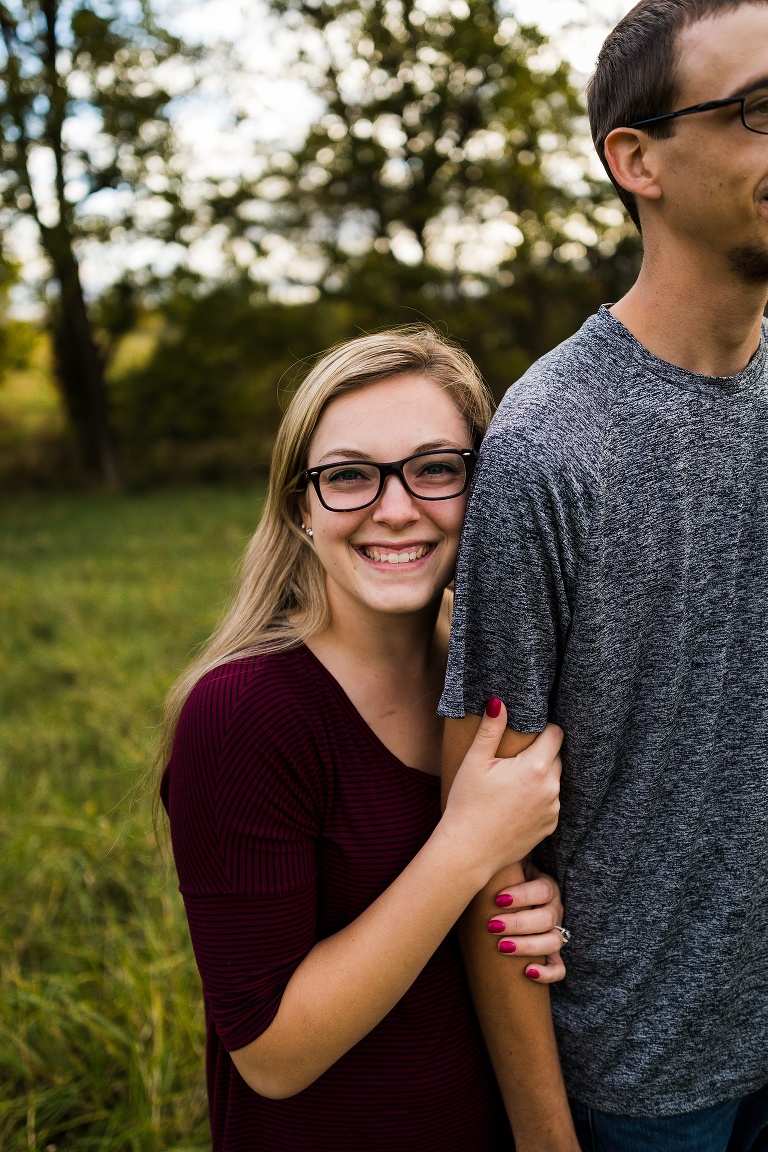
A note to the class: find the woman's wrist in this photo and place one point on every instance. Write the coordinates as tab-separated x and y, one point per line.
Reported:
462	858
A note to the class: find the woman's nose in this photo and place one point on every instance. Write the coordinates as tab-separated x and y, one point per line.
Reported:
395	505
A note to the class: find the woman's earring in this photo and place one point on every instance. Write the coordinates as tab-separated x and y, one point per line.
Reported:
307	530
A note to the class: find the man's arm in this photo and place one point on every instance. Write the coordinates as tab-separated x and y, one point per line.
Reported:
513	1010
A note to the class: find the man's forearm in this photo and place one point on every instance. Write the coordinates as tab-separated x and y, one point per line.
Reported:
515	1017
513	1010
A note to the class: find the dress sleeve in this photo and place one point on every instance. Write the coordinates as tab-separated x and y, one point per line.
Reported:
246	809
525	528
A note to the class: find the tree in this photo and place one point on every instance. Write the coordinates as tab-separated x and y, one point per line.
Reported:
446	179
88	155
451	143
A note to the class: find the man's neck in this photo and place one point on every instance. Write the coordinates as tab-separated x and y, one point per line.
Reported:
693	315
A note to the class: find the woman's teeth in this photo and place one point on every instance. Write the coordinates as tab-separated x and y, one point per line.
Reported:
395	557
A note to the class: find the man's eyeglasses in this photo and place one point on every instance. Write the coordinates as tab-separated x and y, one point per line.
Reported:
754	110
354	484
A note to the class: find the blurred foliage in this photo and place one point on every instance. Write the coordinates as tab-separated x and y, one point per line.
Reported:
18	338
114	66
101	1022
452	140
226	361
113	69
446	179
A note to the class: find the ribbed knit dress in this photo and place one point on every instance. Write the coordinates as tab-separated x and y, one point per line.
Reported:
289	817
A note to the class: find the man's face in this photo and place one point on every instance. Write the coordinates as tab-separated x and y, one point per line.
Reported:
714	172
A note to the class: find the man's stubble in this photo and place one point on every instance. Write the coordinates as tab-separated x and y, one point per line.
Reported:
750	263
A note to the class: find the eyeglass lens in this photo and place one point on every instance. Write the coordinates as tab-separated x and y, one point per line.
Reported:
756	110
435	475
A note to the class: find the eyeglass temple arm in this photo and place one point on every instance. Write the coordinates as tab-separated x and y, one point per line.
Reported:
708	106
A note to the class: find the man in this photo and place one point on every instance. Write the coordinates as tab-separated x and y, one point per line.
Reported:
614	579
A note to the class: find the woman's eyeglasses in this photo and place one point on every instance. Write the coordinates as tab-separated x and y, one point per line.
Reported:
354	484
754	110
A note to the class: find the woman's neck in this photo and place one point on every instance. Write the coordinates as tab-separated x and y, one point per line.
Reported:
392	668
388	642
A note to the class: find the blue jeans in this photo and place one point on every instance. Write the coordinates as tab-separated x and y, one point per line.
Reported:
735	1126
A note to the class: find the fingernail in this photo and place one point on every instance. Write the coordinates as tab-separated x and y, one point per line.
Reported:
496	925
504	900
533	973
493	707
507	946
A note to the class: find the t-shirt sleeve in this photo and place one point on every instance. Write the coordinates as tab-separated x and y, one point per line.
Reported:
527	520
246	808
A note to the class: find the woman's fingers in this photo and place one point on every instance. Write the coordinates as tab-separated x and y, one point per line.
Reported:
542	890
540	944
549	972
527	922
492	727
545	749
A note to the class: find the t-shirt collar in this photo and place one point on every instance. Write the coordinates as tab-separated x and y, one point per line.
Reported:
612	331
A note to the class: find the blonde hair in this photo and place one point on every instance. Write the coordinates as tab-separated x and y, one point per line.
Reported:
280	599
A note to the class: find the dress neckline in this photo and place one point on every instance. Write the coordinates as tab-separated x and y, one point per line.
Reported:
360	721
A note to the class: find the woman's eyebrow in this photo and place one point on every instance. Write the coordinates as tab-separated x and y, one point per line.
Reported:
343	454
334	454
437	445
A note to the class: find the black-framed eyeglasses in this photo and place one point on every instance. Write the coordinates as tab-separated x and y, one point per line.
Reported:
350	485
754	110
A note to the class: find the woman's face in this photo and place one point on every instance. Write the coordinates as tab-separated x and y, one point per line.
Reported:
384	422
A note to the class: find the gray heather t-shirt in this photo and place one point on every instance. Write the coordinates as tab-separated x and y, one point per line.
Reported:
613	577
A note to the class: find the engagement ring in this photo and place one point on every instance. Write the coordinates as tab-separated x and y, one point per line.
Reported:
564	934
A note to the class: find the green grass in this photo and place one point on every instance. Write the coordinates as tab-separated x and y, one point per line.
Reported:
102	600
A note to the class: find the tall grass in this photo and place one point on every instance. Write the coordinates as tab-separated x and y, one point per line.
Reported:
101	601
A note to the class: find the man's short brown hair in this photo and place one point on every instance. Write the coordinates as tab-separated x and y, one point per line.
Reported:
636	73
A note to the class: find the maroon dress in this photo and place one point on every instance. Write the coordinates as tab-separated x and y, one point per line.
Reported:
289	817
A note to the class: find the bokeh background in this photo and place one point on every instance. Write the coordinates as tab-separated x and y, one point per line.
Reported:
195	200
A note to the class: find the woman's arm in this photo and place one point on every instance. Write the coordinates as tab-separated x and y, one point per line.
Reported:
498	809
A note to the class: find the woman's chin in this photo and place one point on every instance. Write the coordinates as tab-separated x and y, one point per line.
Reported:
400	601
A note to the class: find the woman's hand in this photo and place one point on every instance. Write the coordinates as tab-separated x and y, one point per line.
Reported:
499	809
525	924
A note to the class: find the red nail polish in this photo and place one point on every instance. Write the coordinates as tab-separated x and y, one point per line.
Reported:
496	925
493	707
507	946
533	973
504	900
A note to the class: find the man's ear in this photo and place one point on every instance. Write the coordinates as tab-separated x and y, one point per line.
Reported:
632	156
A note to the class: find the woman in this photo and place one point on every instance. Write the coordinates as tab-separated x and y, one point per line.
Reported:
319	880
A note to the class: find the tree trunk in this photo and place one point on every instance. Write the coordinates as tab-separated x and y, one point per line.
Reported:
79	368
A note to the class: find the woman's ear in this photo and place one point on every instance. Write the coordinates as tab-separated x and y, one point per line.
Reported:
304	513
632	156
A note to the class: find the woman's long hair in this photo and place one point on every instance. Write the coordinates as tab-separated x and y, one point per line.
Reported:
280	598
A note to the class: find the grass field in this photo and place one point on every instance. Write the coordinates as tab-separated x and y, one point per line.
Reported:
102	600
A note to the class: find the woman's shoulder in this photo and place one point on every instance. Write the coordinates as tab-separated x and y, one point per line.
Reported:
262	694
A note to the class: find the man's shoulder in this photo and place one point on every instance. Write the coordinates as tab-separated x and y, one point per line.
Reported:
557	415
579	375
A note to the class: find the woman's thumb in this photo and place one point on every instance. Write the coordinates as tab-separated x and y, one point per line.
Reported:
492	726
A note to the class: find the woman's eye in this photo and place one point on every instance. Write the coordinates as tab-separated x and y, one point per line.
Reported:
438	469
346	476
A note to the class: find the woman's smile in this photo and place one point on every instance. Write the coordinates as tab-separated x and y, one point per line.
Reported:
400	555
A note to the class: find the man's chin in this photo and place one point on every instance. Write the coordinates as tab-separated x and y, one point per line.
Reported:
750	262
